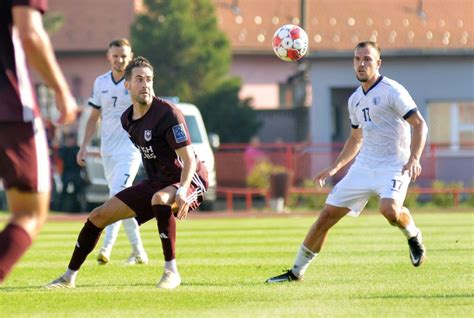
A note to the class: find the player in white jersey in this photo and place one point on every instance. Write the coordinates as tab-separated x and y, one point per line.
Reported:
120	158
388	158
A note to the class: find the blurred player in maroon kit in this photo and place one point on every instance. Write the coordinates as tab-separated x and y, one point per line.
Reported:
24	160
175	177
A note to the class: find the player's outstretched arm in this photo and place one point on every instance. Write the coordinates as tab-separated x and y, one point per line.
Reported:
348	152
40	55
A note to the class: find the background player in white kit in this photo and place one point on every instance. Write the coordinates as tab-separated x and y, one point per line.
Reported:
388	157
120	158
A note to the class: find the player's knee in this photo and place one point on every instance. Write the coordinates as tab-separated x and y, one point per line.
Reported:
159	199
99	216
94	214
390	214
328	217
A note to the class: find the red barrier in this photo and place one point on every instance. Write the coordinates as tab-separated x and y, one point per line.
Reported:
456	192
248	193
301	160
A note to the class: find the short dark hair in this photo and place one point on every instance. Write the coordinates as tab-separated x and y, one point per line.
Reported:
119	43
367	44
139	61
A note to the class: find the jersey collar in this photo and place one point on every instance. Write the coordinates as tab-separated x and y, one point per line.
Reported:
375	84
113	80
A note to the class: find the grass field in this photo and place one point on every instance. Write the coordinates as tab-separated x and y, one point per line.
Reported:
364	271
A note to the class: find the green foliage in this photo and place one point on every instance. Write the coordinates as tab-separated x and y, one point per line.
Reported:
373	202
444	199
259	177
232	119
411	200
468	199
191	57
188	51
53	21
311	202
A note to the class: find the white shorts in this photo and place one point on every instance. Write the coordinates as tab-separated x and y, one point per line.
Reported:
120	171
360	183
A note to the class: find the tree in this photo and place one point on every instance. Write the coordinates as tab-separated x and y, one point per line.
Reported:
232	119
191	57
183	43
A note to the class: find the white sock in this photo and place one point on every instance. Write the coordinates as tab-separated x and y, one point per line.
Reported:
138	250
171	266
70	275
304	257
410	230
110	237
133	234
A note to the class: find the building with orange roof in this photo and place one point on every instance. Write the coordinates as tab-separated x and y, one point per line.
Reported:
428	46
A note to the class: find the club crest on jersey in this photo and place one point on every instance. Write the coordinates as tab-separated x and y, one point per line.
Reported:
147	135
179	133
376	100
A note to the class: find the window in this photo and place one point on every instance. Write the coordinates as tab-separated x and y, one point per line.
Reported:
193	129
451	123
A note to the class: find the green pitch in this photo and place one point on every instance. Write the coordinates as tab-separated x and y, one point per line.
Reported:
363	271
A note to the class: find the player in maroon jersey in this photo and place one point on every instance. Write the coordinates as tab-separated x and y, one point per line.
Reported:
24	160
175	176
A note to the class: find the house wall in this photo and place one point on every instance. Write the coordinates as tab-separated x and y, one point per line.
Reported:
81	71
426	78
260	78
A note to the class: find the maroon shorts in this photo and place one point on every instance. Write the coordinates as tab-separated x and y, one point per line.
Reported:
138	197
24	157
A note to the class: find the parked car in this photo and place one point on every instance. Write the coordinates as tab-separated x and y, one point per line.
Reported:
97	192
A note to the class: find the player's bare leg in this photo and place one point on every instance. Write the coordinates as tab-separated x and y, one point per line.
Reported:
400	216
161	204
312	243
111	211
29	212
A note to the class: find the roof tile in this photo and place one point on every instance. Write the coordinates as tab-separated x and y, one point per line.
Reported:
332	25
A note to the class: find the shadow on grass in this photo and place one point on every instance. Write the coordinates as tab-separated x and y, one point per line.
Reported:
151	285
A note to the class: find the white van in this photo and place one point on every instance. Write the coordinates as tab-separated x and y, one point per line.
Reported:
97	192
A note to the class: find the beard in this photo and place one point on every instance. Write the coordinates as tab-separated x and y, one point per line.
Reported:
119	68
143	100
362	79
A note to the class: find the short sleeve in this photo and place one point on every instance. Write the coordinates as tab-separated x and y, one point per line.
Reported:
402	101
352	116
40	5
94	98
177	133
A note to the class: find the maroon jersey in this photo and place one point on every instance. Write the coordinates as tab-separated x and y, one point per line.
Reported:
17	99
157	135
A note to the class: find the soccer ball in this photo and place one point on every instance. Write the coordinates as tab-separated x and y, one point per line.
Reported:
290	43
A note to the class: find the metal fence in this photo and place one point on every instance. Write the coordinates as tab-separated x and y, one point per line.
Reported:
304	160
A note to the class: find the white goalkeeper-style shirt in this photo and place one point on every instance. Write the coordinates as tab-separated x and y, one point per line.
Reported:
381	113
112	98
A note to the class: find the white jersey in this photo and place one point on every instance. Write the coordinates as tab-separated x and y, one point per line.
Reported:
381	113
112	98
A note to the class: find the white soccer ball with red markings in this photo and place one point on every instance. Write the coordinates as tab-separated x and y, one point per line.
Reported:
290	43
